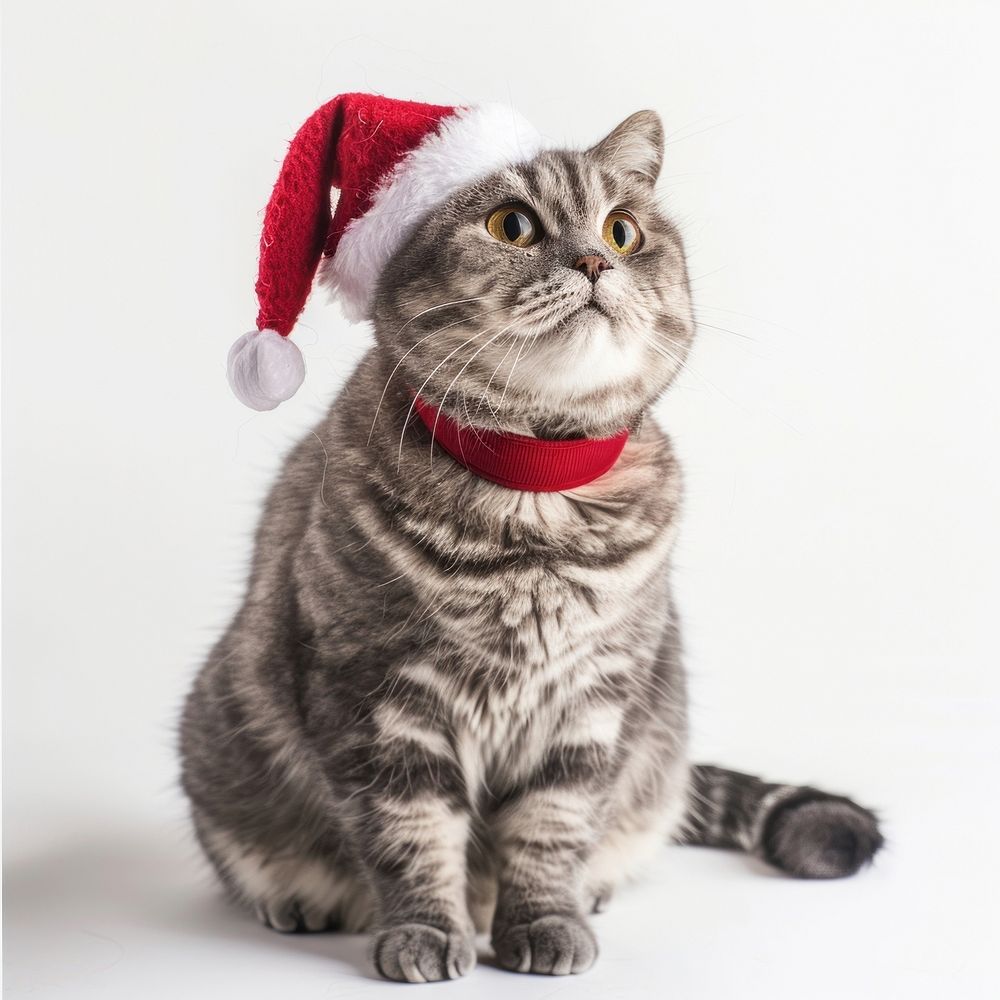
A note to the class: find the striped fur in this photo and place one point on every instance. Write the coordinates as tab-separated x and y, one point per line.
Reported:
445	704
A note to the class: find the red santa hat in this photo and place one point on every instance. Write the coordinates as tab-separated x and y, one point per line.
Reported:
393	161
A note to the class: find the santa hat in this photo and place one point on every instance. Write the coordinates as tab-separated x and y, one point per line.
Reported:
393	161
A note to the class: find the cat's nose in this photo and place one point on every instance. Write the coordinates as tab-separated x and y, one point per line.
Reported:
591	265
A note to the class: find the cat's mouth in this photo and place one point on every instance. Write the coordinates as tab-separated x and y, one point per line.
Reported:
592	303
546	310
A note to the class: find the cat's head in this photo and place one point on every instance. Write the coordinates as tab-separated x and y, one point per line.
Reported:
551	297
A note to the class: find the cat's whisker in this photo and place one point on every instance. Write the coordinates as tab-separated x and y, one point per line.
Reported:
529	342
657	288
483	398
684	364
409	412
664	352
503	395
425	288
702	325
690	280
442	305
478	351
433	333
743	315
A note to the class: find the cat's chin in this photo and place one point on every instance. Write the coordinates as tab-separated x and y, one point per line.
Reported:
585	356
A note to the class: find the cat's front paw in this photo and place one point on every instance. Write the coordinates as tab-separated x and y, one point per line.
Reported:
555	946
419	953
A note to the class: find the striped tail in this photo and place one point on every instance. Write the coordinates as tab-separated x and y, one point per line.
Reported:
801	830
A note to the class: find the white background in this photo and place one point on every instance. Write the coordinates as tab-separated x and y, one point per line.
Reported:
834	169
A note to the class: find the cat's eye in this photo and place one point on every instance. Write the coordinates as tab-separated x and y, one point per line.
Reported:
515	224
621	232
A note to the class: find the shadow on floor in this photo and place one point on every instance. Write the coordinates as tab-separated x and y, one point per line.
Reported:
139	884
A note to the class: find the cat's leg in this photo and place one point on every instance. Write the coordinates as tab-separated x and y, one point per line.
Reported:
801	830
647	807
410	829
543	839
545	835
413	847
260	808
288	889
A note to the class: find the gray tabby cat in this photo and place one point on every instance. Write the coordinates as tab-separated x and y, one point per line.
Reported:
446	704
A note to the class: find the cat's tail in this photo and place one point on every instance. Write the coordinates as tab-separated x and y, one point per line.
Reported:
801	830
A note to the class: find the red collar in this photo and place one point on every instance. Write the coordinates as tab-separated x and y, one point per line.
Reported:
519	462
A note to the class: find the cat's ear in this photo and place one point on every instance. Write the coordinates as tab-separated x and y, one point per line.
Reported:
633	147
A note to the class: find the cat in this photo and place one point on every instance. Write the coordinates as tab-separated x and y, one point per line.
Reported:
448	705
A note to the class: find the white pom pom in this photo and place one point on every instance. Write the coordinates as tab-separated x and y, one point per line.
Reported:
265	369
